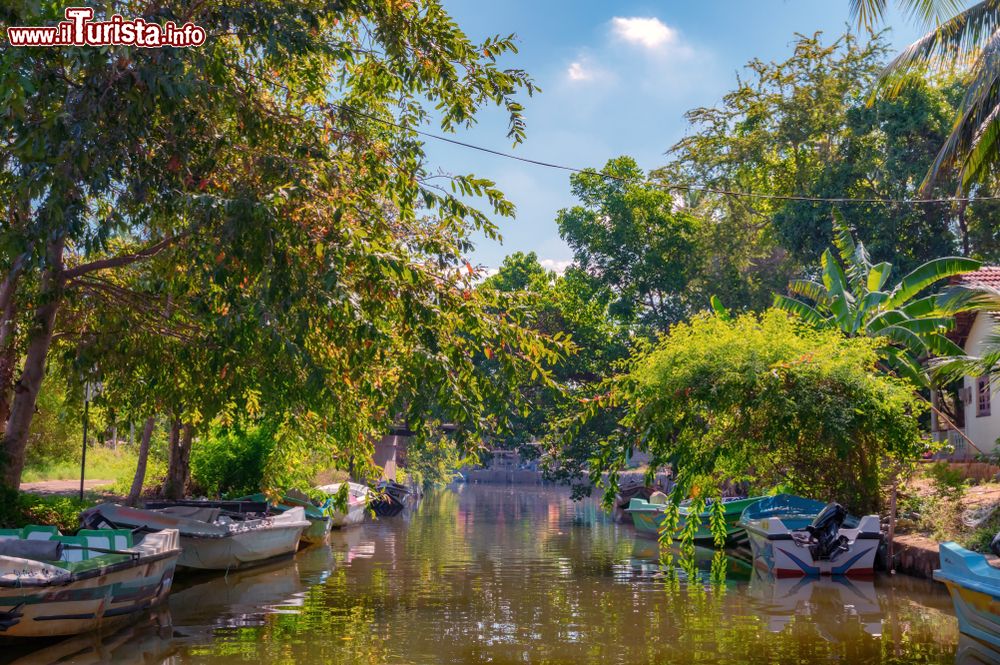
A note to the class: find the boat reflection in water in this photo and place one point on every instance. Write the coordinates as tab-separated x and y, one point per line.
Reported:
146	641
844	604
973	652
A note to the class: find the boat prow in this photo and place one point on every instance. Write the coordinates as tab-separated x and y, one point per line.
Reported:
974	586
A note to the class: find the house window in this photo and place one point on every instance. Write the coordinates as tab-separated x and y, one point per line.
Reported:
983	396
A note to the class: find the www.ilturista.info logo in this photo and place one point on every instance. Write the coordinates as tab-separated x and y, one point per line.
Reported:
79	30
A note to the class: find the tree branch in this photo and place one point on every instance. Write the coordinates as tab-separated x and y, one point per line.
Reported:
123	259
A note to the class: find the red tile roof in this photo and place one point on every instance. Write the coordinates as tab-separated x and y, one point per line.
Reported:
985	276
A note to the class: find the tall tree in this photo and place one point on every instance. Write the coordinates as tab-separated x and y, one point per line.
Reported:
629	238
288	213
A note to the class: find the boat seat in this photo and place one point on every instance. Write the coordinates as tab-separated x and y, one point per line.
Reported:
107	539
74	555
35	532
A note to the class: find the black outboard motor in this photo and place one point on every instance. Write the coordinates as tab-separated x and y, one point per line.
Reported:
995	544
823	535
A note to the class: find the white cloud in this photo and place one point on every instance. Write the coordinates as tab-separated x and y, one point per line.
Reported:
577	71
651	33
559	266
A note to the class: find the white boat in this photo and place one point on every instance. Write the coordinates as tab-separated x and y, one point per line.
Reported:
53	585
210	538
790	537
357	503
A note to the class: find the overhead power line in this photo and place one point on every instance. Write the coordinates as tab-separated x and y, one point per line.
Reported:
678	187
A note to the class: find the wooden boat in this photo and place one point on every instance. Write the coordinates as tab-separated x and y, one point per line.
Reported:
357	503
647	516
974	586
212	535
51	584
391	499
791	536
319	521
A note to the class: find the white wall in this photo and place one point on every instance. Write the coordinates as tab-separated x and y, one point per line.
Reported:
983	430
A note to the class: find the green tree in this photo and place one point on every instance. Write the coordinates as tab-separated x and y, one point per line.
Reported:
767	400
261	201
629	238
856	298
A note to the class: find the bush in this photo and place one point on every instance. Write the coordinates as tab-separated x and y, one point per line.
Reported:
18	509
231	461
765	400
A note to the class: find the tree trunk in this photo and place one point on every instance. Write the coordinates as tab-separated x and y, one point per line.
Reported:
140	467
8	330
180	456
26	390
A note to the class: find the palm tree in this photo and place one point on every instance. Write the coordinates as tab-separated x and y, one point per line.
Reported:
971	38
854	295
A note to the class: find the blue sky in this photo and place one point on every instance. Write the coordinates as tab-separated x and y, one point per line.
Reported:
617	77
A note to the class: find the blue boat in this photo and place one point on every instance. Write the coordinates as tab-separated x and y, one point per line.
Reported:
974	586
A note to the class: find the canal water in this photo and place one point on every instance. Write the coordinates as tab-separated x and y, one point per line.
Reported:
498	574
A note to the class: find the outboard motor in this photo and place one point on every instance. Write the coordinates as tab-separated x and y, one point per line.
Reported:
822	536
995	544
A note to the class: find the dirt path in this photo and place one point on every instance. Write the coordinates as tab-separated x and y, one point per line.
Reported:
63	486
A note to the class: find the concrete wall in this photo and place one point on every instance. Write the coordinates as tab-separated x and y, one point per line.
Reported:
983	430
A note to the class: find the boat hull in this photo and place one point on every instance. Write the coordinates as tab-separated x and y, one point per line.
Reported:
354	515
95	598
775	552
974	587
239	550
647	518
318	530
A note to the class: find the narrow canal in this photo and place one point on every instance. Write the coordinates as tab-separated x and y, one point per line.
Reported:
489	574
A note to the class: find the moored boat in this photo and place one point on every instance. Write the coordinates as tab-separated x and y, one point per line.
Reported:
319	521
52	585
357	502
647	516
974	586
792	536
213	536
391	499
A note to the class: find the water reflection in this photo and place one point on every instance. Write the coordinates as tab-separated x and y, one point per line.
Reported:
502	575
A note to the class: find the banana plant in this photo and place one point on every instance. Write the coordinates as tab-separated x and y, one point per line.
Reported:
856	296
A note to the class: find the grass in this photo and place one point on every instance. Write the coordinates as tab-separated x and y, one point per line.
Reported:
102	464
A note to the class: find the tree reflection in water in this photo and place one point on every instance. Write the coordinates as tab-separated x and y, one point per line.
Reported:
516	575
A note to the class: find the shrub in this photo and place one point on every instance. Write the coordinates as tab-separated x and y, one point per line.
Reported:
18	509
765	400
231	461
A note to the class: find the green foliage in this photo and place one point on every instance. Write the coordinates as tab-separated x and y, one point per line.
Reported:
628	237
802	126
766	400
18	509
855	297
57	428
231	461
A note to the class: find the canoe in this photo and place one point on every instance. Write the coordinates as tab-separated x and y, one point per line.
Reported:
212	539
53	585
974	586
319	521
792	536
647	517
357	503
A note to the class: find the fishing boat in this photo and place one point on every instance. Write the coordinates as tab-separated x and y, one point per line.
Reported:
391	498
52	585
357	502
647	516
319	521
974	586
792	536
214	535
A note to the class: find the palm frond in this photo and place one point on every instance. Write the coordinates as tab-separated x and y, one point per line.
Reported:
836	285
963	298
799	308
870	13
927	274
